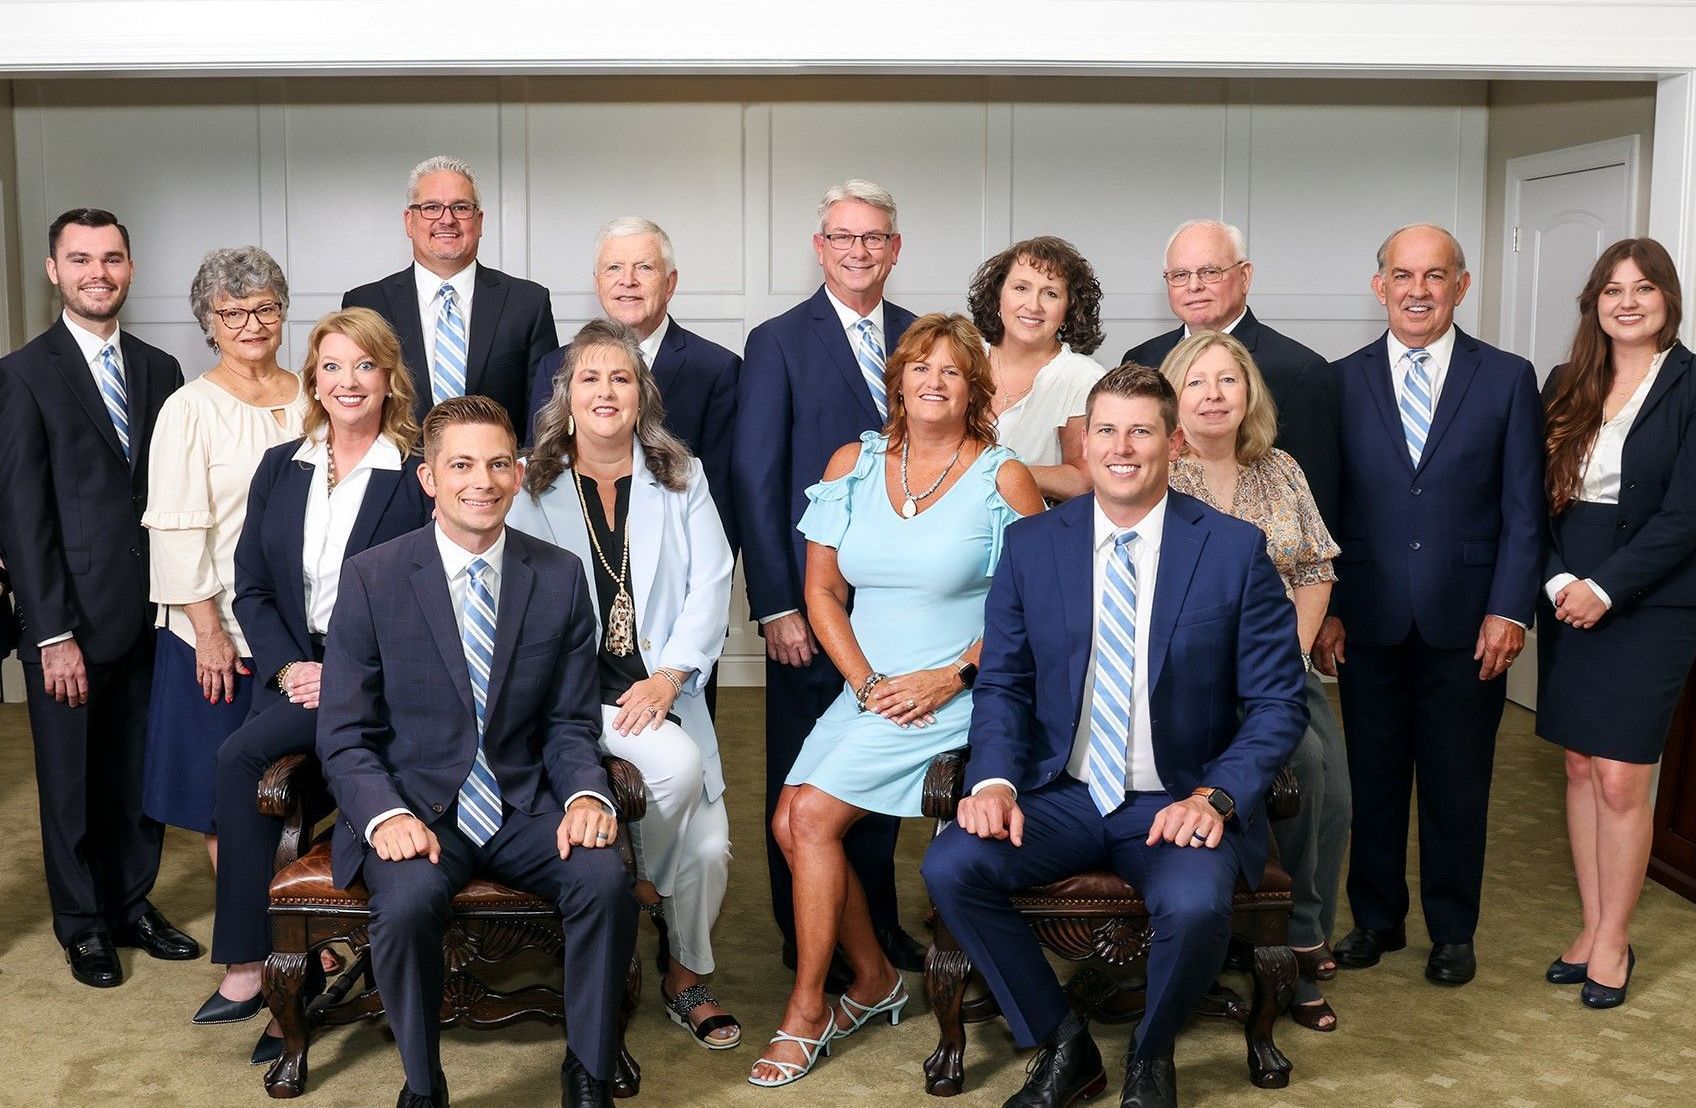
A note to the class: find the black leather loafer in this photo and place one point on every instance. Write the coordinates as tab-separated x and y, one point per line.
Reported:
1062	1075
1364	946
93	959
1151	1083
580	1089
1451	964
221	1009
155	936
903	951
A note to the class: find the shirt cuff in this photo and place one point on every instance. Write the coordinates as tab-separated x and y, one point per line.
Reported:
1517	623
611	807
778	615
988	781
377	820
66	637
1607	601
1553	586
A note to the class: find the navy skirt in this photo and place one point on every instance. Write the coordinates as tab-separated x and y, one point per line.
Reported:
1609	692
184	733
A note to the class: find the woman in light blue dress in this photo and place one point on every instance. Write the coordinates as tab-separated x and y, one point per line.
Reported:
909	523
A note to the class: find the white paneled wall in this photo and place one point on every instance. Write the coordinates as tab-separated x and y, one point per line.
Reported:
314	170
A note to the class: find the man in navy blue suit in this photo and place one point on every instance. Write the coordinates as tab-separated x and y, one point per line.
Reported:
1440	521
458	727
1140	686
812	380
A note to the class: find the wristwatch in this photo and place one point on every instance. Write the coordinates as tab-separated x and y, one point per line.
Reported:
968	673
1220	799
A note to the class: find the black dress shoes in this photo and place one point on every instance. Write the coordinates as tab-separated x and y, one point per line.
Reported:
1562	972
221	1009
581	1090
93	959
1062	1075
836	979
438	1097
268	1049
154	934
1151	1083
1364	946
903	951
1600	996
1451	964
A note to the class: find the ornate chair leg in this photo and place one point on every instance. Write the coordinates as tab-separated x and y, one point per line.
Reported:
1274	987
947	969
285	991
627	1075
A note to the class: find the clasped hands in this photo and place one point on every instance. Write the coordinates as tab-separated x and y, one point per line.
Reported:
1578	606
588	823
994	813
911	699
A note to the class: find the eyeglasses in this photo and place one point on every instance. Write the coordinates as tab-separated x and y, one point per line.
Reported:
1209	274
236	318
874	240
461	209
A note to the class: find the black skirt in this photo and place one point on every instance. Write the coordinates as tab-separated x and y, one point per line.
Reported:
1610	691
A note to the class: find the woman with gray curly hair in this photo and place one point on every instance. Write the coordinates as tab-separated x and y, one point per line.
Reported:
209	439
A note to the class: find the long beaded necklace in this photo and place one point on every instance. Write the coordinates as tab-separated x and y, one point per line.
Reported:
621	621
330	477
910	506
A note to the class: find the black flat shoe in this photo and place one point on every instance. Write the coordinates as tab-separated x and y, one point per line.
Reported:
1364	946
903	951
93	959
1451	964
155	936
1566	973
221	1009
1599	996
1062	1075
267	1050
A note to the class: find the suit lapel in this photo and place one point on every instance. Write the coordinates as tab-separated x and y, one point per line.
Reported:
289	502
379	491
645	530
567	528
135	392
1247	331
402	292
430	585
487	299
1677	364
672	355
1180	550
1074	554
1463	367
517	580
68	361
1376	368
827	328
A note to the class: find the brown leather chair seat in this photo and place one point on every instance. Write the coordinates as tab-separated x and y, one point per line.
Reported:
1106	892
306	884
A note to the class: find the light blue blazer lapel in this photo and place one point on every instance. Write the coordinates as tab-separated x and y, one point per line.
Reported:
563	515
1180	551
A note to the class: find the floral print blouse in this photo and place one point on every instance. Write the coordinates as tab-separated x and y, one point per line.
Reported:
1272	494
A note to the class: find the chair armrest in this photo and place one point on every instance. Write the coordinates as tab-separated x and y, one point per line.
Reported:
285	784
1283	799
627	792
944	779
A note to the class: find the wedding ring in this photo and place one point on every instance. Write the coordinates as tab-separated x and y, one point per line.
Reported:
648	710
1198	837
600	836
911	703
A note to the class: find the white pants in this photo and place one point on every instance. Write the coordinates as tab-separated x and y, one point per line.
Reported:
682	843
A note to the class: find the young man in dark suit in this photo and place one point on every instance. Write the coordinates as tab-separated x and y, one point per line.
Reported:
465	329
77	409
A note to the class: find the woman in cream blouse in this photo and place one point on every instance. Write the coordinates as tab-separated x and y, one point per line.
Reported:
209	439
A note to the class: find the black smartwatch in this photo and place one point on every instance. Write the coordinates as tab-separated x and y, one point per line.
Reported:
968	674
1221	801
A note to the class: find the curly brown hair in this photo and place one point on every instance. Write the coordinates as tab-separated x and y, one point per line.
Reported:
969	354
1058	259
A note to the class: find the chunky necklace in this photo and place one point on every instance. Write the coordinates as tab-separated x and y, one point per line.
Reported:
621	621
330	477
910	506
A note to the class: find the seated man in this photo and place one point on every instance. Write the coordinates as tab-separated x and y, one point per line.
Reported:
458	766
1126	633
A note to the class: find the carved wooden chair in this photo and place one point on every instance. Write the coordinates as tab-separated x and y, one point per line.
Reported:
490	924
1099	919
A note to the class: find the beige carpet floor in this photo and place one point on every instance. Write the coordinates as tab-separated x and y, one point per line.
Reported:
1507	1039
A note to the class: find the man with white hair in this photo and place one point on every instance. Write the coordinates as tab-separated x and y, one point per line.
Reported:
465	329
635	279
1207	276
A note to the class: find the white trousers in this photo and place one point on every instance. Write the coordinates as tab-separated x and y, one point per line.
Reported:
682	842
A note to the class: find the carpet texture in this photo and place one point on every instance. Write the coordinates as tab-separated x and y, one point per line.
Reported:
1506	1039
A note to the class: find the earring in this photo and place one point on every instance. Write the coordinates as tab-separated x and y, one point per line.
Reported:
571	425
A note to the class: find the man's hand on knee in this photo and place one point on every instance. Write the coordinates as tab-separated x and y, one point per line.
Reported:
588	823
992	814
405	836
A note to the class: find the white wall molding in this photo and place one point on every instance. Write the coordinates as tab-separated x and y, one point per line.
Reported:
1672	183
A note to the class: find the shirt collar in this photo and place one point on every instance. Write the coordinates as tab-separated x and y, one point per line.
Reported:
384	454
455	558
1229	328
651	344
1149	530
88	342
1441	351
850	317
429	284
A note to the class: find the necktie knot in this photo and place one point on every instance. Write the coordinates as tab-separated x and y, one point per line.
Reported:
477	568
447	294
1124	540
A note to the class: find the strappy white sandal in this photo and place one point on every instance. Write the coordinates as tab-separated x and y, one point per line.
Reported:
794	1071
892	1003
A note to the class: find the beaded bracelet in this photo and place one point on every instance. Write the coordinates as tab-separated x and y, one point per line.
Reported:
865	689
676	685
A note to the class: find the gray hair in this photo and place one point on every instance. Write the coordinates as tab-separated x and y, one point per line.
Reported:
1229	230
867	192
441	163
1454	244
235	272
630	225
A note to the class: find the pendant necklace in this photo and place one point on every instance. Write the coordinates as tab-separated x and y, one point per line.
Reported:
910	506
621	621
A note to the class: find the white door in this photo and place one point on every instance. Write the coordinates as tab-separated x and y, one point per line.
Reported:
1563	209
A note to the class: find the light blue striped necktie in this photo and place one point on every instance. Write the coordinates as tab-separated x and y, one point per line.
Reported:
480	796
448	380
1417	404
869	353
1115	678
112	391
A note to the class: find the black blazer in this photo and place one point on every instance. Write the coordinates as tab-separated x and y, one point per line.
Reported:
1653	561
270	601
512	326
8	617
396	723
697	380
1303	387
70	519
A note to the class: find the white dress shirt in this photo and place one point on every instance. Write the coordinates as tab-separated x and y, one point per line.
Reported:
1442	352
430	307
651	345
1228	328
330	516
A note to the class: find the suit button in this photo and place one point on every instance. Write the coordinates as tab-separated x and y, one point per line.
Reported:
1620	525
1631	484
647	644
1413	546
1416	490
436	808
135	552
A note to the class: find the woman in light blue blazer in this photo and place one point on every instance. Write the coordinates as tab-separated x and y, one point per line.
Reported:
607	482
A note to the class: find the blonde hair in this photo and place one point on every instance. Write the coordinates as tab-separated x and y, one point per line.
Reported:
1259	428
372	334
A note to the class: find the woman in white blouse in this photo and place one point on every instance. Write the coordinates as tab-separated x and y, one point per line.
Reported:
210	436
1617	634
1038	305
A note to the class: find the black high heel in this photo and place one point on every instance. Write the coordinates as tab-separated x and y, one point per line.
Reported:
1600	996
1566	973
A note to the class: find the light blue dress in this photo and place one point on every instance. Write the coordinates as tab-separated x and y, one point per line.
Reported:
919	589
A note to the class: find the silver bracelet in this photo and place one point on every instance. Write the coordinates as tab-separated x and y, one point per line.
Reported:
676	685
865	689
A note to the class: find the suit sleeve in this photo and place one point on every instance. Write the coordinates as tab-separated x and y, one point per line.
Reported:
255	601
1665	542
1519	549
697	638
542	340
717	446
760	464
1553	564
353	716
570	745
542	389
29	519
1003	697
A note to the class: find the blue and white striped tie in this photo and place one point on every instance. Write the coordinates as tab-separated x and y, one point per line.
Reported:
1115	678
1416	402
449	377
869	353
480	796
112	391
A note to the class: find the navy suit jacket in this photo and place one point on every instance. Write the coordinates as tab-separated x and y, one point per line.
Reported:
70	517
270	601
512	326
697	380
801	396
1227	692
1439	546
396	722
1653	561
1305	391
